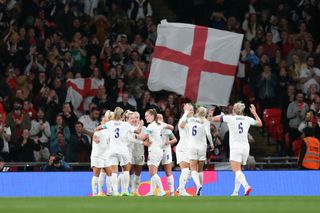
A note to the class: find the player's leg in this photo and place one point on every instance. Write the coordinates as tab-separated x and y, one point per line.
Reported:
137	173
168	170
94	180
108	171
126	179
195	174
167	166
102	178
247	187
185	173
200	171
153	163
239	177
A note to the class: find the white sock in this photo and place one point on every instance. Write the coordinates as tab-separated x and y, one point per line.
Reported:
201	178
131	183
171	183
136	183
126	180
102	177
183	178
120	182
189	175
94	184
114	182
109	184
196	179
237	185
153	184
159	183
242	179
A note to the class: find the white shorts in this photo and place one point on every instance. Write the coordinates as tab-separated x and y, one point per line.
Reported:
182	156
166	156
137	160
99	162
239	155
197	153
117	158
154	158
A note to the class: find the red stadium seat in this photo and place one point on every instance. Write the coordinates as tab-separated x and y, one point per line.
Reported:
272	122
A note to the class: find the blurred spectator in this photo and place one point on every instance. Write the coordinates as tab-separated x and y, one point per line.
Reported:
59	127
61	146
124	103
309	75
69	117
307	122
267	87
90	122
5	135
80	147
40	131
296	113
102	100
17	120
28	109
140	9
269	46
25	147
146	103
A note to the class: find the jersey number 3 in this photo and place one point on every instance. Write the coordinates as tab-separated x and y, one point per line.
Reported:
116	131
240	127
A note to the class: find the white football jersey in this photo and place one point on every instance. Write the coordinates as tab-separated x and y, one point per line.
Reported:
119	131
167	134
198	131
155	132
184	137
98	149
238	129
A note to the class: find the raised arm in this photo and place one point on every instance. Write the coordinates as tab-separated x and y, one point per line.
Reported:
256	116
208	133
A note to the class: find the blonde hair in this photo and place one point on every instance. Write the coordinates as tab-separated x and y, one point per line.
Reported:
238	108
117	114
108	115
159	117
201	112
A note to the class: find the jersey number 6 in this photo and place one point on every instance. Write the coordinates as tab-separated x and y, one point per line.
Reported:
194	130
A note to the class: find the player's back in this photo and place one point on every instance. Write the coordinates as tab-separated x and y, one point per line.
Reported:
98	149
197	133
184	135
119	131
238	129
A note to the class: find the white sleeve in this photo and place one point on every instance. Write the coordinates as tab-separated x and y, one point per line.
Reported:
251	121
208	132
226	118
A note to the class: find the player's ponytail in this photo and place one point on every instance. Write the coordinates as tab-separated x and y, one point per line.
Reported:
201	112
238	108
117	115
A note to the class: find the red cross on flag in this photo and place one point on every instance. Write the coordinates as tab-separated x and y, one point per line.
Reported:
194	61
81	92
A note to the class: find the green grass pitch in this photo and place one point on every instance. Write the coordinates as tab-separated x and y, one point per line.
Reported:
160	204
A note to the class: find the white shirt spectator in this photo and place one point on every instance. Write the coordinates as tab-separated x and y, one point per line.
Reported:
88	124
306	73
7	131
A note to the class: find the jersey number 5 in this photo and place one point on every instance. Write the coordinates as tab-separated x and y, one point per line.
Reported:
194	130
116	131
240	127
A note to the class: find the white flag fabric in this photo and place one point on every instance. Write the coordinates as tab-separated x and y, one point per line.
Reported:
194	61
81	91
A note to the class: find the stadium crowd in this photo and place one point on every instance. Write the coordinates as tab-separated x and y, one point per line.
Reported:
44	43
